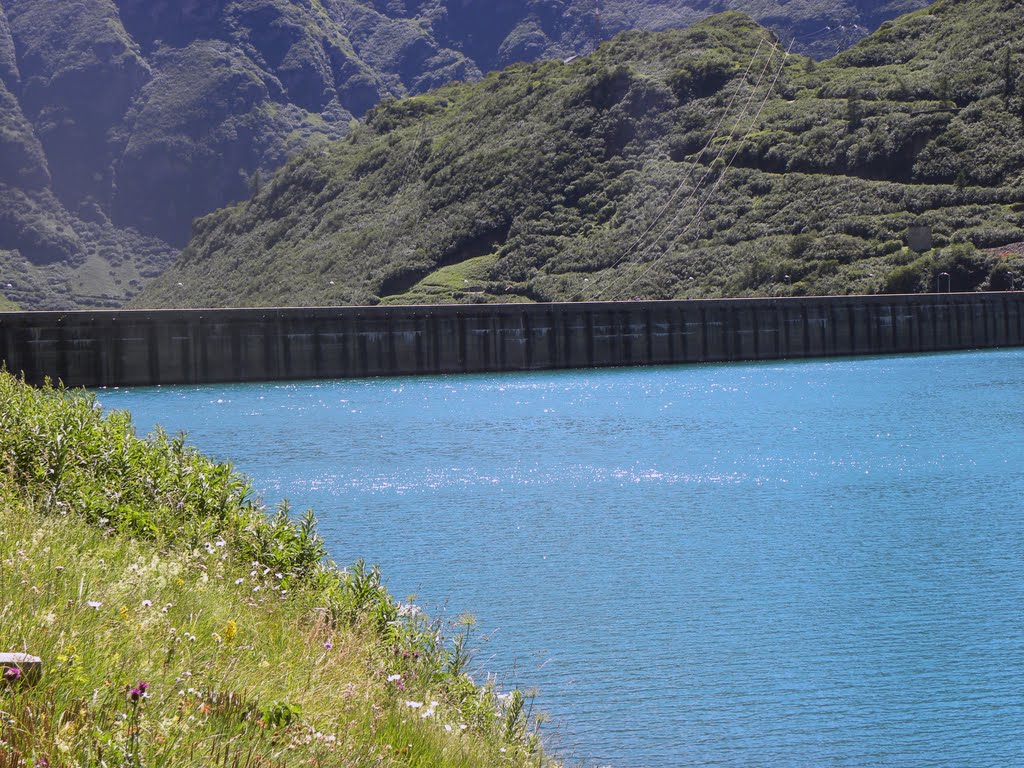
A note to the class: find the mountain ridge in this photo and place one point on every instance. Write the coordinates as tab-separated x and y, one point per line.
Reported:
541	181
123	120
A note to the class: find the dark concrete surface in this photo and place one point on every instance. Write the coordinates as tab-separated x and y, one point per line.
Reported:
145	347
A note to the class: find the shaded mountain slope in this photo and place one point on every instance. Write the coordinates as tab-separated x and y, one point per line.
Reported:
700	162
123	120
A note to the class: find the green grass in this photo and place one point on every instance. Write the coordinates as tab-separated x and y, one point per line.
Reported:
454	283
125	561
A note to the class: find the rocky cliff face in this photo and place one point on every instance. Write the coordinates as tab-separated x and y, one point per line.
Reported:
121	121
694	163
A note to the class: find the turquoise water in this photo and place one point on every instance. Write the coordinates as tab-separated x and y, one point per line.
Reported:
811	563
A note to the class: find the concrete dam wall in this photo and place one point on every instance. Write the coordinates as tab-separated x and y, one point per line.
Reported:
147	347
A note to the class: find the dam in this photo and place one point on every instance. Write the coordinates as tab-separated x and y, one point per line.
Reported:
151	347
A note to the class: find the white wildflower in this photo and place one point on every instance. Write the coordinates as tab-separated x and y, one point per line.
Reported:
408	609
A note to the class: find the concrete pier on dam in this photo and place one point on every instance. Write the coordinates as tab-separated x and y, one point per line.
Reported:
150	347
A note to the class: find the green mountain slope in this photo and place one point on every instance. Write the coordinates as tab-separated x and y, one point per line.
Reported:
701	162
123	120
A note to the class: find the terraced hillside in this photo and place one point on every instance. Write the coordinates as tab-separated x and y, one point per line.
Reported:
687	163
123	120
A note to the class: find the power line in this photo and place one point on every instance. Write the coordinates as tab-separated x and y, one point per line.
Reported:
715	136
732	160
672	196
708	170
721	176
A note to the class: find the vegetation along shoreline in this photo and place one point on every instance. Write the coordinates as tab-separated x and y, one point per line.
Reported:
180	624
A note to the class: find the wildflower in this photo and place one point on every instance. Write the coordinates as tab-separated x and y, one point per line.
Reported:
134	695
12	674
230	630
220	543
393	678
124	613
239	581
209	548
413	704
408	609
94	604
42	762
147	603
447	728
328	645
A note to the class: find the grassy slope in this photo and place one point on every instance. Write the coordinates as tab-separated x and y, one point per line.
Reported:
124	561
456	281
559	171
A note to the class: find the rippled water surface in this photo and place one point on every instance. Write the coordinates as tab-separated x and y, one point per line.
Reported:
776	564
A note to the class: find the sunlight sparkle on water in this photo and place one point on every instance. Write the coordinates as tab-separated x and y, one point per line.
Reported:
780	564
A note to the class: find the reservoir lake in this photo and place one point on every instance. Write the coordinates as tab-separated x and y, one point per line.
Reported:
812	563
